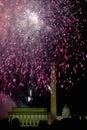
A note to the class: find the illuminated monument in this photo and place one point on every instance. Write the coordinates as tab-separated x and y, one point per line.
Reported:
32	116
28	116
53	105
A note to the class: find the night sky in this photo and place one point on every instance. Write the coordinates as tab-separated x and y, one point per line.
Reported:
34	34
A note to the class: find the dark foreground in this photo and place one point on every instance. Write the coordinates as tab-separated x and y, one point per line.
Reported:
63	124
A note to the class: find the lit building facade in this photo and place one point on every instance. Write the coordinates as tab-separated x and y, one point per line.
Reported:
28	116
